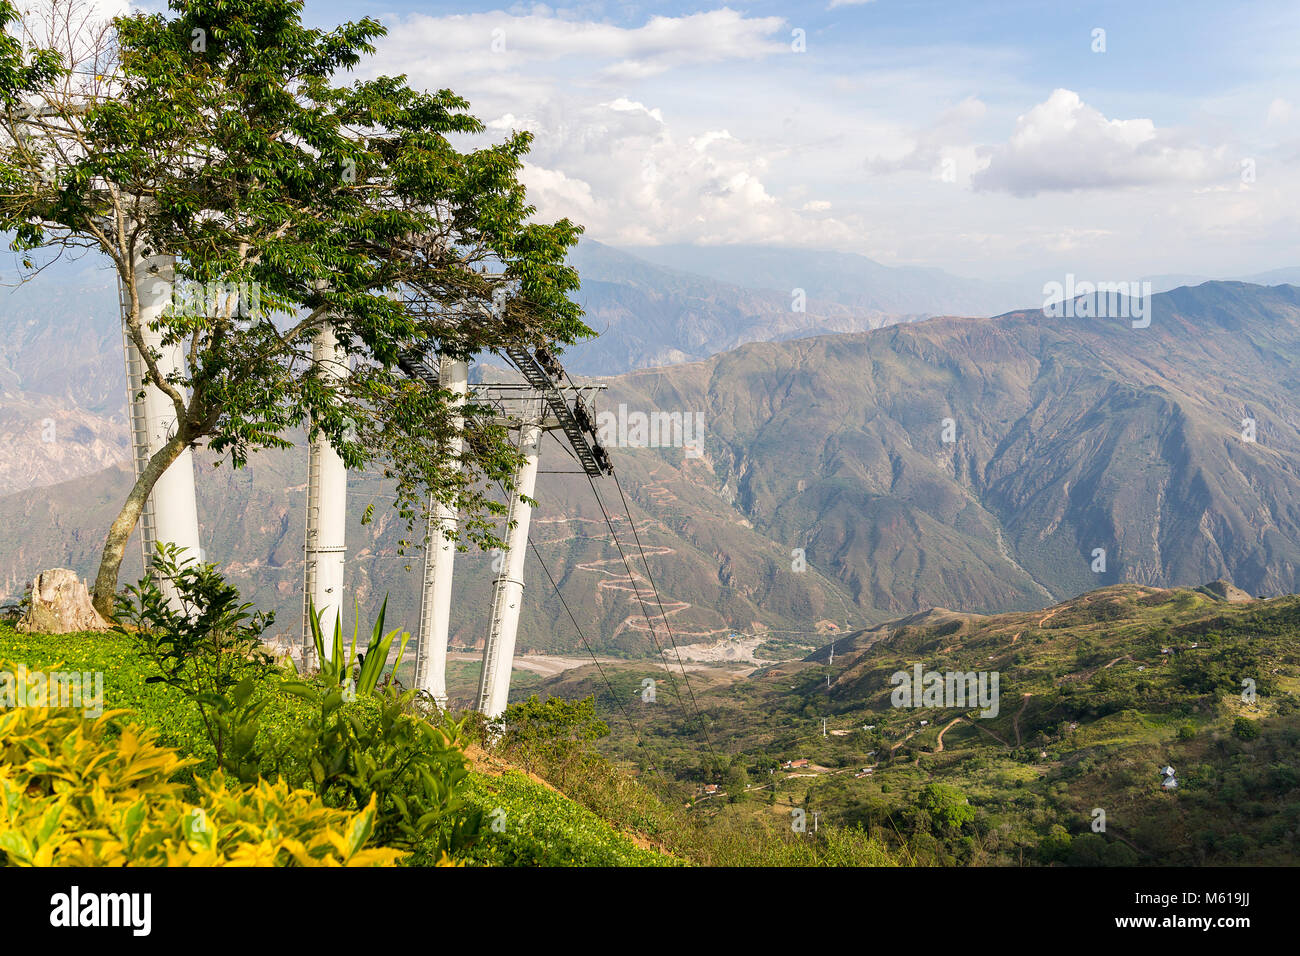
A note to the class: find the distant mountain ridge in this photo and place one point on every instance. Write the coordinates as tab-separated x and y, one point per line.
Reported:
845	278
1070	435
648	315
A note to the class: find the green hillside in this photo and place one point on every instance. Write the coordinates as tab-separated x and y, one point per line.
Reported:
548	803
1096	696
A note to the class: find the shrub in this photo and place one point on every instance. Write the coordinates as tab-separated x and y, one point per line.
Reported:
531	825
551	733
208	646
1245	729
374	751
337	672
946	806
81	792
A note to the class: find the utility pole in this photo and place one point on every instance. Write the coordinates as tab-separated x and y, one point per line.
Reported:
435	604
327	505
499	650
823	726
171	515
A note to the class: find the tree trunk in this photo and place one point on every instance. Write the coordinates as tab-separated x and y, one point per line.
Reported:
110	562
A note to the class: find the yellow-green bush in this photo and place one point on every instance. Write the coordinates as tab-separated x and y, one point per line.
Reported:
76	791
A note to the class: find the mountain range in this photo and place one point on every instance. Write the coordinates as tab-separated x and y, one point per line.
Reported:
828	495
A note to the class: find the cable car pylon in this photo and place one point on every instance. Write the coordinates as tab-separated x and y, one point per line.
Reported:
171	514
440	551
541	405
508	593
325	543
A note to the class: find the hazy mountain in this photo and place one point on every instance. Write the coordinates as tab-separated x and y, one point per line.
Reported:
61	346
62	377
647	315
716	574
846	279
1070	435
1164	283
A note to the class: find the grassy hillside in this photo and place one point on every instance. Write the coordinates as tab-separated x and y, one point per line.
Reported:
562	808
1096	695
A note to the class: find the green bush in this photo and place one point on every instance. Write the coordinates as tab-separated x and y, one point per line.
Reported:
207	646
376	749
77	791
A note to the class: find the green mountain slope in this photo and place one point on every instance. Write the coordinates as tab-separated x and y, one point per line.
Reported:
1095	697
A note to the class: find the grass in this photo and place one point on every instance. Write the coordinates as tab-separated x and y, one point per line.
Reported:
528	824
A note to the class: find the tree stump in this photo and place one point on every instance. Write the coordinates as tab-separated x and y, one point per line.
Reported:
60	604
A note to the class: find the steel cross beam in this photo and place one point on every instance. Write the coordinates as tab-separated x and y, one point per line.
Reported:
538	377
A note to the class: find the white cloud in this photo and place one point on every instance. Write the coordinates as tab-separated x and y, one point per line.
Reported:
556	195
628	176
1062	144
732	139
1280	112
944	148
450	48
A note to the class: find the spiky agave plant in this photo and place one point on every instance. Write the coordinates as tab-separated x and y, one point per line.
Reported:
335	671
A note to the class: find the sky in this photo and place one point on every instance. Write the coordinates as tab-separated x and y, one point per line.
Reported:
1110	140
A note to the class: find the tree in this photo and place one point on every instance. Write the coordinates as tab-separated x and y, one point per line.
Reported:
23	69
217	134
552	730
1245	729
737	781
947	806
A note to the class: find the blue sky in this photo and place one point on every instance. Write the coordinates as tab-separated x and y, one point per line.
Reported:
989	139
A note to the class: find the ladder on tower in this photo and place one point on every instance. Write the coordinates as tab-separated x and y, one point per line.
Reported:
537	377
137	420
311	543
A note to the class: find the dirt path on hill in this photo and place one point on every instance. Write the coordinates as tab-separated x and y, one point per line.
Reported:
1015	721
905	740
938	744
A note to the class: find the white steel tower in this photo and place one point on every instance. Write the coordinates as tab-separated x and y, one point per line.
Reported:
499	651
171	514
435	603
327	491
